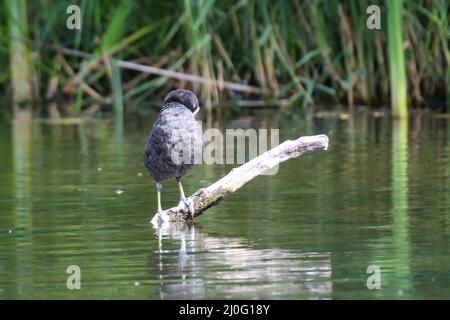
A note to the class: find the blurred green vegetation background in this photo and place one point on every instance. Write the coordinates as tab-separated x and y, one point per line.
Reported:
296	53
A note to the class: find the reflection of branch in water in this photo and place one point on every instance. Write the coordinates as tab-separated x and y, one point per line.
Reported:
202	266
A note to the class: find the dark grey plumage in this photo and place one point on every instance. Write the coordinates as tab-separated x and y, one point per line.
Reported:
175	142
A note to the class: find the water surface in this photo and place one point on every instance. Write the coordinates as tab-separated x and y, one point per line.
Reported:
78	194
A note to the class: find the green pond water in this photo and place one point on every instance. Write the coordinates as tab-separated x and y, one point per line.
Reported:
78	194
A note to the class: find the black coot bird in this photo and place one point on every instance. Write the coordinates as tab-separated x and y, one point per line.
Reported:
175	143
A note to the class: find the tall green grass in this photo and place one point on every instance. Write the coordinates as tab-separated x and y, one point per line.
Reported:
20	62
304	51
399	103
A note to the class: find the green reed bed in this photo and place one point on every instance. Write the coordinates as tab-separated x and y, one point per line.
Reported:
302	52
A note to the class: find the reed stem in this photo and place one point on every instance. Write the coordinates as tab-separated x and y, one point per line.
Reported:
18	51
397	59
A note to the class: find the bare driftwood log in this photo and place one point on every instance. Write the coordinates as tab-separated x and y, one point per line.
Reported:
207	197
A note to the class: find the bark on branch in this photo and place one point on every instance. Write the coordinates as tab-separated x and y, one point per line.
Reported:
237	177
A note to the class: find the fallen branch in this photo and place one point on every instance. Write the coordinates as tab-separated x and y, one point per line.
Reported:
162	72
236	178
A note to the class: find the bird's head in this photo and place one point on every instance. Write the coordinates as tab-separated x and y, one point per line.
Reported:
185	97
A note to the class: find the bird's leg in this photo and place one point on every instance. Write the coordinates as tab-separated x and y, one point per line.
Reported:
183	200
180	186
159	216
158	195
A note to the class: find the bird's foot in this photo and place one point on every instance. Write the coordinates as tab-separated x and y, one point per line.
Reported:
188	204
160	217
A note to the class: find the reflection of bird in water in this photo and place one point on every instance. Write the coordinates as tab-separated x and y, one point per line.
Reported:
175	142
212	266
